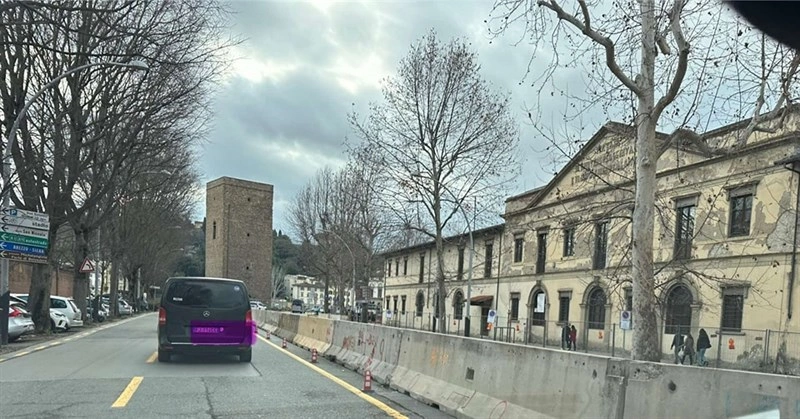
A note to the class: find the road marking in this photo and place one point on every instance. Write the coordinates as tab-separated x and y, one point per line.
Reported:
371	400
68	339
152	358
126	395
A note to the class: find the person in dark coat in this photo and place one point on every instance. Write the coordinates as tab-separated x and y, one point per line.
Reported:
703	343
565	337
573	337
677	344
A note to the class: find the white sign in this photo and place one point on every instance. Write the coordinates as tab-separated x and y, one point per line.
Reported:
87	266
30	215
625	320
25	222
540	303
492	317
23	231
388	314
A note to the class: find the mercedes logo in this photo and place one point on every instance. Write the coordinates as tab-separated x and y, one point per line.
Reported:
206	313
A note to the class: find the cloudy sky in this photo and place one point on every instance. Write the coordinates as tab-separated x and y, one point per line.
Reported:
281	113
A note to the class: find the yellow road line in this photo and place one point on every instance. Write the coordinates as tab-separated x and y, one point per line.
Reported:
152	358
371	400
126	395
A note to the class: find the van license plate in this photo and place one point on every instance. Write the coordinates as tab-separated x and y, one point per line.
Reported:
206	330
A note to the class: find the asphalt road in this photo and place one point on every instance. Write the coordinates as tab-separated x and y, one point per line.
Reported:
112	372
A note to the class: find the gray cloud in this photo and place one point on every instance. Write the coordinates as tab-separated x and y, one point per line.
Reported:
282	114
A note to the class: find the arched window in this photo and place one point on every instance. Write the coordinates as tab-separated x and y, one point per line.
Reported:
458	305
420	303
679	310
538	304
597	309
214	230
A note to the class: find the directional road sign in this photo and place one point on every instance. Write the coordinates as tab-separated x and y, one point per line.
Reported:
25	222
29	215
24	231
26	240
23	258
19	248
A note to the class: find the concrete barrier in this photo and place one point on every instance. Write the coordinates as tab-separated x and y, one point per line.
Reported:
287	326
681	391
314	333
476	378
362	346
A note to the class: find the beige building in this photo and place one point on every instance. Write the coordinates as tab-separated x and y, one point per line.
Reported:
239	233
725	250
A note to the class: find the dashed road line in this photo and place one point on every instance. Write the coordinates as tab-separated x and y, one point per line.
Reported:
57	342
152	358
126	394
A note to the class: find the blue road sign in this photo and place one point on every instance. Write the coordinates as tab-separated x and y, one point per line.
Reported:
19	248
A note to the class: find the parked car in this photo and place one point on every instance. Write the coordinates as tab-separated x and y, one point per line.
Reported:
257	305
205	315
67	307
19	321
297	306
125	309
58	321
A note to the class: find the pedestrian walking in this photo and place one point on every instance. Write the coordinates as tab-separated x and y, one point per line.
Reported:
703	343
573	337
677	347
688	349
565	337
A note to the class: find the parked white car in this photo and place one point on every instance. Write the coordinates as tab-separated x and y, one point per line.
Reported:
58	321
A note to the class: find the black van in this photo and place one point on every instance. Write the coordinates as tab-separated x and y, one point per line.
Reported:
205	315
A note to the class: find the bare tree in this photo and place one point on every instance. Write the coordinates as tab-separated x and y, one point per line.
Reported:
100	128
441	137
279	288
671	63
337	215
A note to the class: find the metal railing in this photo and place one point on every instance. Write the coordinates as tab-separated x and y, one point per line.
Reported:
761	350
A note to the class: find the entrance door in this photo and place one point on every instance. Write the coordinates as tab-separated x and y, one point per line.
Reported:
484	317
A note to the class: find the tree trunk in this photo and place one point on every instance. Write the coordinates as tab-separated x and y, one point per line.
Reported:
646	330
113	305
441	292
80	287
40	289
39	297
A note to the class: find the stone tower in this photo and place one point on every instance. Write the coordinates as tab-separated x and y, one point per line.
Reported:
239	233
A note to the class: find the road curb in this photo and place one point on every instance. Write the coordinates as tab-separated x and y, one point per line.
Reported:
60	341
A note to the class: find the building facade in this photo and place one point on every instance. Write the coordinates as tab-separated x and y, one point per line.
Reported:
725	249
312	291
239	233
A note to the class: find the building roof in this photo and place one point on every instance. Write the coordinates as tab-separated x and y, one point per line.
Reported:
449	239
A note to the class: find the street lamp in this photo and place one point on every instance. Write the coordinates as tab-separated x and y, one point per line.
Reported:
6	174
353	257
471	253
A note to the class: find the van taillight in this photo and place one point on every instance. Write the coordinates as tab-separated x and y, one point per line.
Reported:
249	317
162	316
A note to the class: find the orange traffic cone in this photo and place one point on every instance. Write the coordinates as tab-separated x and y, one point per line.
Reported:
367	382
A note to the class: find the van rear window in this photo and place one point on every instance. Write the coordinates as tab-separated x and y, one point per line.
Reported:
206	294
